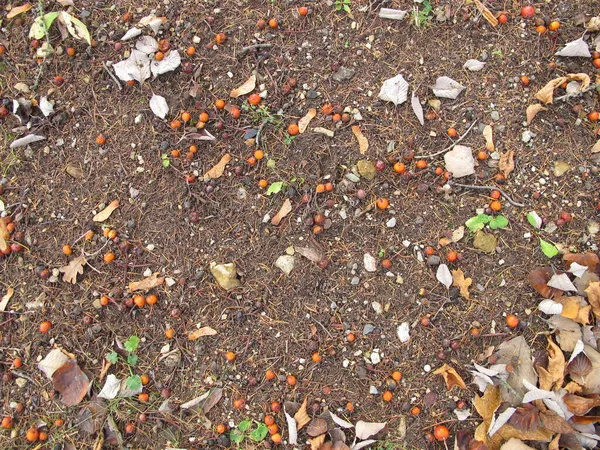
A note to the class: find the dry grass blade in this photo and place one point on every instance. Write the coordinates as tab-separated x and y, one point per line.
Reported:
301	417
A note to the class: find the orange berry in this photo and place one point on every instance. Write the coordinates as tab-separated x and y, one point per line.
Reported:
327	109
273	428
235	113
387	396
252	160
130	428
59	422
502	18
495	194
193	149
221	428
175	124
140	301
382	203
230	356
512	321
273	23
71	51
320	188
112	234
104	300
291	380
204	117
100	139
541	29
159	56
109	257
186	116
45	326
7	422
482	156
475	332
318	229
270	375
67	250
500	178
495	205
525	80
239	403
130	82
350	337
439	171
596	63
441	433
254	99
190	51
145	379
451	256
421	164
336	117
259	154
276	438
303	11
415	411
220	104
2	50
32	435
175	153
269	420
429	250
386	263
399	167
593	116
328	186
293	129
316	357
169	333
17	362
554	25
397	376
143	397
220	38
152	299
349	407
452	132
263	183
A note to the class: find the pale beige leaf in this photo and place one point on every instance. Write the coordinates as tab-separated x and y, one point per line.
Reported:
575	308
583	78
106	212
4	234
147	283
461	282
317	442
556	364
245	88
487	405
219	168
489	138
303	123
301	417
596	147
6	298
204	331
546	94
593	24
486	13
285	209
72	269
362	140
18	10
507	162
451	377
593	296
532	111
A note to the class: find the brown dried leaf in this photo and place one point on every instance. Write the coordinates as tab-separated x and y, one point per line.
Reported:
488	134
204	331
580	366
72	269
585	420
91	416
106	212
486	13
596	147
525	418
553	422
575	308
285	209
593	295
147	283
74	171
18	10
6	298
317	427
70	381
219	168
538	279
584	78
451	377
316	442
546	94
461	282
556	363
532	111
487	404
507	162
589	259
303	123
301	417
245	88
363	143
545	379
313	254
580	406
4	234
573	388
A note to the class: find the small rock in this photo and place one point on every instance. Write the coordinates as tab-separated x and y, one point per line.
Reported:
225	274
433	260
355	281
419	220
133	192
311	94
343	74
377	307
373	390
368	329
526	137
375	358
391	223
285	263
352	177
495	116
370	262
85	14
361	372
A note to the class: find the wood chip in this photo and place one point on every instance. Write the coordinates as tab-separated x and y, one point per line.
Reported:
486	13
303	123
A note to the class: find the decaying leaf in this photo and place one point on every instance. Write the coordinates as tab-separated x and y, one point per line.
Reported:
304	121
532	111
204	331
451	377
106	212
568	332
575	308
364	430
18	10
417	108
517	353
316	443
538	279
317	427
292	429
525	418
446	87
579	405
553	422
394	90
159	106
311	253
461	282
52	362
507	162
596	147
576	48
4	234
6	298
489	138
147	283
485	12
589	259
285	209
245	88
72	269
70	381
301	417
219	168
362	140
443	275
556	364
546	94
171	61
593	296
92	415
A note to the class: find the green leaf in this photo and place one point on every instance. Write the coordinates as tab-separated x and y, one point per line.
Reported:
478	222
498	222
346	8
548	248
260	433
534	219
133	382
132	360
275	188
236	436
132	343
245	425
76	28
381	253
271	163
42	24
112	358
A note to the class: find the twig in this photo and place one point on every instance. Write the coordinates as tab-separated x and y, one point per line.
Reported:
112	77
260	128
488	188
577	94
247	49
450	146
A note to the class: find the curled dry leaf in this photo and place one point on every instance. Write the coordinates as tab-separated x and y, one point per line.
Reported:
4	234
285	209
301	417
580	366
451	377
317	427
593	296
546	94
568	332
70	381
18	10
147	283
576	48
507	162
365	430
106	212
52	362
575	308
532	111
461	282
489	138
303	123
589	259
72	269
362	140
219	168
579	405
316	443
204	331
245	88
446	87
556	364
538	279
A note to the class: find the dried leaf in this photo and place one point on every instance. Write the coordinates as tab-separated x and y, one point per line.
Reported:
394	90
136	67
317	427
74	171
550	307
576	48
446	87
365	430
158	105
575	308
532	111
72	269
26	140
170	62
91	416
589	259
580	406
111	387
313	254
486	13
593	296
507	163
585	420
461	282
538	279
147	283
568	332
292	429
204	331
362	140
245	88
417	108
339	421
106	212
219	168
70	381
301	417
52	362
212	399
316	442
444	276
4	234
303	123
473	65
285	209
451	377
6	298
517	353
18	10
556	364
112	435
147	44
596	147
580	366
525	418
489	138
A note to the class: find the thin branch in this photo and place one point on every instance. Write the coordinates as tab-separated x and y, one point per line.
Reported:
488	188
450	146
112	77
247	49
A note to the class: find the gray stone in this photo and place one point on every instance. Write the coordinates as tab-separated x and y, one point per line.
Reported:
495	116
391	223
311	94
369	262
85	14
355	281
368	328
343	74
433	260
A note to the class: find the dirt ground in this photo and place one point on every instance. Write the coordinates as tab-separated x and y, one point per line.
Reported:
167	224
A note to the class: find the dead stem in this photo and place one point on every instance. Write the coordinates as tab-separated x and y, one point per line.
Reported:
488	188
450	146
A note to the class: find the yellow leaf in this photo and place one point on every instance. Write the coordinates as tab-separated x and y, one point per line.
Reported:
362	140
462	283
593	293
301	417
219	168
285	209
575	308
316	442
532	111
487	404
204	331
245	88
18	10
451	377
556	364
106	212
147	283
303	123
4	234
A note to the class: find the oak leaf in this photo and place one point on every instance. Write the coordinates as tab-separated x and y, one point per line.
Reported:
72	269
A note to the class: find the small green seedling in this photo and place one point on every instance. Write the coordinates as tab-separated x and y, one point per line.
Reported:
480	221
548	248
133	382
245	429
343	5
